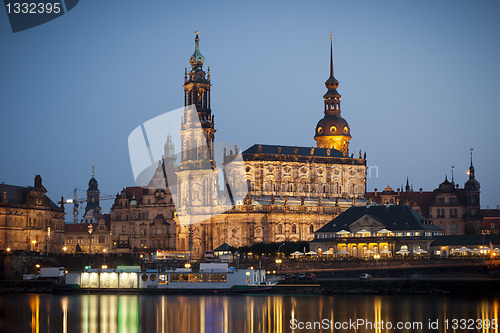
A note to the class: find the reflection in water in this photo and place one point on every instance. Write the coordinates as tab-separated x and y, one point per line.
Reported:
207	314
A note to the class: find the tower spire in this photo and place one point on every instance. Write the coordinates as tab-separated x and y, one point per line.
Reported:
331	54
471	168
332	131
197	59
93	174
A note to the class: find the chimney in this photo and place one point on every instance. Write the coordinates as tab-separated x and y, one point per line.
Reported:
375	190
38	181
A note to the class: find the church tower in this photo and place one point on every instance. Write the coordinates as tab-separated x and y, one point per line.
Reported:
93	194
195	152
197	174
332	131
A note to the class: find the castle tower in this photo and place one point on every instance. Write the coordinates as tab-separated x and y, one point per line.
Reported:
472	192
93	194
332	131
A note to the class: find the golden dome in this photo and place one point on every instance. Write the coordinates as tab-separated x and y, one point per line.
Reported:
332	125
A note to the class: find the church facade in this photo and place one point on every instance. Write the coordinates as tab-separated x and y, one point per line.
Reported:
291	191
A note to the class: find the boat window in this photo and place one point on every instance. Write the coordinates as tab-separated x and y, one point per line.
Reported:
144	277
152	277
214	277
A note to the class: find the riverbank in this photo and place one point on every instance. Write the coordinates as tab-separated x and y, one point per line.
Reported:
459	286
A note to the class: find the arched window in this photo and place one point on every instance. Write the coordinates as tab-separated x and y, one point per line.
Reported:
280	229
311	229
350	188
294	229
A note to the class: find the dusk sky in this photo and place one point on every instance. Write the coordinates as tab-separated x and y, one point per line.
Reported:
418	79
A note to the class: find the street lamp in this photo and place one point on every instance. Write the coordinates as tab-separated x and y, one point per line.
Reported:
34	244
104	254
187	265
8	250
65	249
278	262
279	247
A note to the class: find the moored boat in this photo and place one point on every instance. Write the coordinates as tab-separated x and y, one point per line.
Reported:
210	278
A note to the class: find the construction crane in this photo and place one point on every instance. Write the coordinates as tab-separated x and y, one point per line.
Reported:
77	201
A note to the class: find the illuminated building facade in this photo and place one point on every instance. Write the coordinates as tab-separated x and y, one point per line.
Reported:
29	220
92	236
142	219
376	230
292	191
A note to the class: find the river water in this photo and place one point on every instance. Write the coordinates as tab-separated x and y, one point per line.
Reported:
233	314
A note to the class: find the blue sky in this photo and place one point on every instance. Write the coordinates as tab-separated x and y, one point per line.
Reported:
418	80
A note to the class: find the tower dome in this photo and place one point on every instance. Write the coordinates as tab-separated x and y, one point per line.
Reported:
197	59
332	131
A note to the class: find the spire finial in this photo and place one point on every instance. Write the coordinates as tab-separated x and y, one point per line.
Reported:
331	54
93	174
452	176
471	156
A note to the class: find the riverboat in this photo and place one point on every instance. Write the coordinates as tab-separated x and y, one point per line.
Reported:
209	278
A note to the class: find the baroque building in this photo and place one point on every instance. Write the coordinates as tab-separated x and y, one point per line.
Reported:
29	219
376	230
142	219
291	191
455	210
90	237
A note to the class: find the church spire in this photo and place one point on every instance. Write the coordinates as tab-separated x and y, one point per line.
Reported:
331	55
471	168
93	173
197	59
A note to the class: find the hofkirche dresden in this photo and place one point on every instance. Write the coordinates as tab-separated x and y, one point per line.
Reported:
292	191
